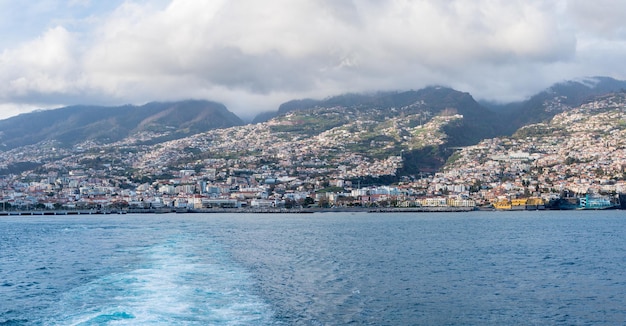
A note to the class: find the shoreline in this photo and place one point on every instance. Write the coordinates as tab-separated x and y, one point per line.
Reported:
239	211
426	209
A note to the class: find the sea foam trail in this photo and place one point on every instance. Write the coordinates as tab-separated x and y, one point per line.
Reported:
174	283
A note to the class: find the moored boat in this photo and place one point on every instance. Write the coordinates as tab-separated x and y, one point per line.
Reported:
596	202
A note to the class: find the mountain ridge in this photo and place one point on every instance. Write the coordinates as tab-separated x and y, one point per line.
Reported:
72	124
571	93
557	98
162	121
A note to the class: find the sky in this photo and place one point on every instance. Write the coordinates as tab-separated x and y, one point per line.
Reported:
253	55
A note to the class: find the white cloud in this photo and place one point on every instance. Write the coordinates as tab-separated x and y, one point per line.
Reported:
44	65
254	55
9	110
276	46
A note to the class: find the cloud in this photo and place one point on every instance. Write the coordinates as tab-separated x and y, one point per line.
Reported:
279	46
253	55
602	19
45	65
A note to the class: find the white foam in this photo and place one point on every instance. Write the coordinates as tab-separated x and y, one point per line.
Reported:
176	283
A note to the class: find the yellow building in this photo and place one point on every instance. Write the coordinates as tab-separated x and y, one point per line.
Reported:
502	205
531	203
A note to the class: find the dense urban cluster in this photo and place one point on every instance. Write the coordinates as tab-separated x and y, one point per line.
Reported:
311	159
580	151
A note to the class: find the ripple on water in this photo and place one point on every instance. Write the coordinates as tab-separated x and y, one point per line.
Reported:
391	269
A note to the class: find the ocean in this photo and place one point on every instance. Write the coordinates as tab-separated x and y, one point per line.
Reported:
476	268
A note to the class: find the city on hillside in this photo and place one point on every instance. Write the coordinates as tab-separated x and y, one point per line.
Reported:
332	158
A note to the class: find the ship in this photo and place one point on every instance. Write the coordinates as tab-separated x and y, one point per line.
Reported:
596	202
587	202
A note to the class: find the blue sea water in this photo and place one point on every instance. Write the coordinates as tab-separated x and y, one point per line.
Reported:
478	268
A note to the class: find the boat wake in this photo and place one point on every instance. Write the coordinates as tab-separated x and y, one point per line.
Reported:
174	283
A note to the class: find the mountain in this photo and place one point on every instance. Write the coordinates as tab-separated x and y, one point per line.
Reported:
581	150
420	126
154	121
344	100
353	135
411	113
478	123
558	98
409	139
479	120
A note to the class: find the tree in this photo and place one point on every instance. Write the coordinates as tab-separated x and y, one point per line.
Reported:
476	186
324	202
290	203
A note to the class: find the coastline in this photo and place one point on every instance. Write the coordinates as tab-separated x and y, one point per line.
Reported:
267	210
